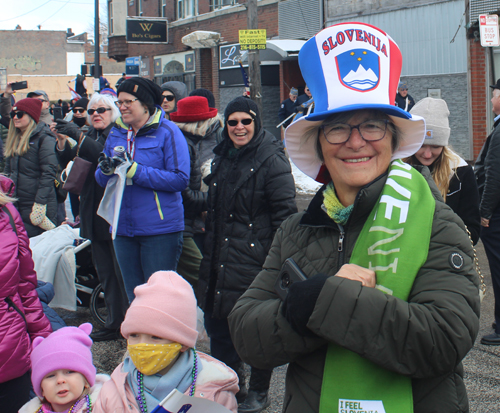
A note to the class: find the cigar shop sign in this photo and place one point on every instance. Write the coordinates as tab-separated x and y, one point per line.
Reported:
147	31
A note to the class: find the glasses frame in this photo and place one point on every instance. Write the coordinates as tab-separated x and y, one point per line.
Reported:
386	121
169	98
15	114
78	110
99	110
244	122
127	103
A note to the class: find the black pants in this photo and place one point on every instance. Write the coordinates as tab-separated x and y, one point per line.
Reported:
491	240
15	393
222	348
110	277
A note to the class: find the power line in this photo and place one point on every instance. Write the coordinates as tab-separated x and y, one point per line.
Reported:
24	14
55	12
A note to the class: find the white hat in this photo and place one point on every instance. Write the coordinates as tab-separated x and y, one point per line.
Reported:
435	112
351	66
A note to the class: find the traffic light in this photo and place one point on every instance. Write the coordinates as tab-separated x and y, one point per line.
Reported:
92	70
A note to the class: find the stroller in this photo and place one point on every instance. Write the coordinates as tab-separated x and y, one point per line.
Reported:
64	259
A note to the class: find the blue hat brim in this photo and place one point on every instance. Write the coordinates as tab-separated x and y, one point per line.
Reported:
388	109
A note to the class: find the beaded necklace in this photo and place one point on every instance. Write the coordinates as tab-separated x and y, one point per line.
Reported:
72	410
141	399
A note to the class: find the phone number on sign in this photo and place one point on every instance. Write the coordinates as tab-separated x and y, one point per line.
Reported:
253	47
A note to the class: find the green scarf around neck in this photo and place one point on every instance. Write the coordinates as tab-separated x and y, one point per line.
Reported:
394	242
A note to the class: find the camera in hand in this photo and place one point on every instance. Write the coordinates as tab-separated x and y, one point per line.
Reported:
290	273
19	85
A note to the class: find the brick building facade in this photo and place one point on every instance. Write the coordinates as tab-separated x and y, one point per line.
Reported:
201	67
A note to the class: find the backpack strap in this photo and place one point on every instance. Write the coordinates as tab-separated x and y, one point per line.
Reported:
11	219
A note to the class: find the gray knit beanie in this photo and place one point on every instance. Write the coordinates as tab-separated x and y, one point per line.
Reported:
435	112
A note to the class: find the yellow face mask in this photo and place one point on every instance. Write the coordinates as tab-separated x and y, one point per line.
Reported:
152	358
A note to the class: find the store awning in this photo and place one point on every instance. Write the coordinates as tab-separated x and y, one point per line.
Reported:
276	51
286	48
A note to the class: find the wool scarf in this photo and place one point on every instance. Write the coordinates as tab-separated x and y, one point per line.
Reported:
157	387
394	242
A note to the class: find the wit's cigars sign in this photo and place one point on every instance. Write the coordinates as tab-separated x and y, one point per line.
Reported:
147	31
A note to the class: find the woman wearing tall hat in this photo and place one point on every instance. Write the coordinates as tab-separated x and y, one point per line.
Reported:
385	302
149	232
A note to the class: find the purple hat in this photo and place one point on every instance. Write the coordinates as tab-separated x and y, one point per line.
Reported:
66	348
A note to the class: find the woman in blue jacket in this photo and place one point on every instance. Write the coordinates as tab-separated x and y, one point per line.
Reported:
149	233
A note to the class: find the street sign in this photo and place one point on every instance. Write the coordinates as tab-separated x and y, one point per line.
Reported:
132	66
252	39
488	30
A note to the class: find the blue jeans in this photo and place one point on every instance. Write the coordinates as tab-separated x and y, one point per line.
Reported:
140	257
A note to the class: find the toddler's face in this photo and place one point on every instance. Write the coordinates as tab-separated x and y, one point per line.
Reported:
136	338
62	388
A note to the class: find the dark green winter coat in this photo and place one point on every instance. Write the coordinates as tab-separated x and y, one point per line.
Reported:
425	338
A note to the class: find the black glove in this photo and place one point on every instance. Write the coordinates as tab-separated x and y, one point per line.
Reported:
106	164
117	161
300	301
69	129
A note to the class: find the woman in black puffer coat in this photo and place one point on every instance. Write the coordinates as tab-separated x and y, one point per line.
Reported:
32	164
251	192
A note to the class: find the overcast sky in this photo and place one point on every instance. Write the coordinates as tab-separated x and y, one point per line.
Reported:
50	14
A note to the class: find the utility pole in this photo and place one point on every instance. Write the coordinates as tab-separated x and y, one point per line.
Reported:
97	67
254	58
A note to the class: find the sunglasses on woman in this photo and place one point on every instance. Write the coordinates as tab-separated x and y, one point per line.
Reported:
98	110
170	98
19	114
245	122
78	110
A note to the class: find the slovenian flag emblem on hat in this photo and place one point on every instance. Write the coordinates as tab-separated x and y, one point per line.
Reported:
358	69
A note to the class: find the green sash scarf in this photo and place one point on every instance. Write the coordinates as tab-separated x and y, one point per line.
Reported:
394	242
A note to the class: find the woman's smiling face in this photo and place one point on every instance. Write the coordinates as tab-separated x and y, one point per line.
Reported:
240	134
357	162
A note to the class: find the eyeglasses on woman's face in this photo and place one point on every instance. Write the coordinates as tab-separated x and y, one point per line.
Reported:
127	102
370	131
19	114
245	122
78	110
100	110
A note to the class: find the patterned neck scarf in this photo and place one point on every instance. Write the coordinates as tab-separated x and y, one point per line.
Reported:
334	208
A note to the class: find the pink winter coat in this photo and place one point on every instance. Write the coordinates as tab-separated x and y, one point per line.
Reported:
215	382
21	314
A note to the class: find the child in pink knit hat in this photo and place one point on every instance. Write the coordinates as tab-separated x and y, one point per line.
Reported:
63	376
160	328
